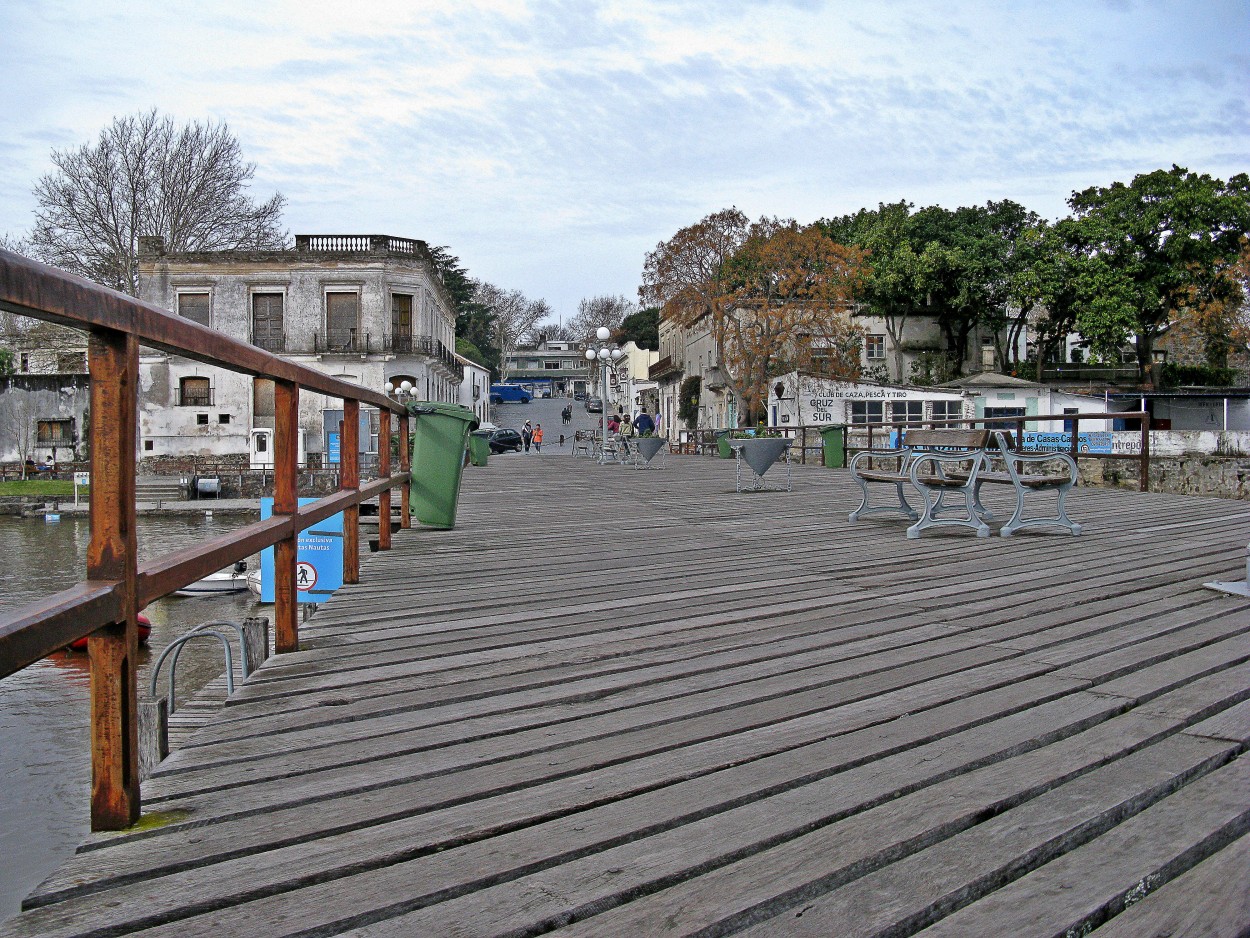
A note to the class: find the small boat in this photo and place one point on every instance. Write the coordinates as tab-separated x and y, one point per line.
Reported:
145	629
253	582
230	580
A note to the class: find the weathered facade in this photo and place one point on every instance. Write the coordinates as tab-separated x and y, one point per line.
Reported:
46	417
366	308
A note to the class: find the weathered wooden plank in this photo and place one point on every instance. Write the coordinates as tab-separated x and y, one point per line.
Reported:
847	881
583	887
847	737
1211	900
665	812
1083	888
728	681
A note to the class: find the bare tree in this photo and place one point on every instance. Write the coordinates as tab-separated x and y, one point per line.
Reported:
146	176
23	428
599	311
516	317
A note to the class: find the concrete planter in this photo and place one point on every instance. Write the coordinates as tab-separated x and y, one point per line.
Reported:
648	446
761	453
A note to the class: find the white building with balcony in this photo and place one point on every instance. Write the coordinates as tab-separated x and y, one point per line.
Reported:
370	309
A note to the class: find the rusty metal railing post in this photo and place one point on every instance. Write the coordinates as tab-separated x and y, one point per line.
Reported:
384	471
1144	463
405	466
285	502
349	478
112	555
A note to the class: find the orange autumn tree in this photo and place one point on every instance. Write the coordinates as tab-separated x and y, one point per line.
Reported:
776	295
790	296
685	276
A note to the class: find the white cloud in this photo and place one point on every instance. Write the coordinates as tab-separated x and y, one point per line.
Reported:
552	143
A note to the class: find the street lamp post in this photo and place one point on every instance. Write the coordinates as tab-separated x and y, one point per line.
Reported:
405	390
606	355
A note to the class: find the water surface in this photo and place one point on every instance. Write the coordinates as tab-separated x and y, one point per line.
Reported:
45	762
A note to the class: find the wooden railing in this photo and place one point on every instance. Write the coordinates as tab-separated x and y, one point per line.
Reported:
117	586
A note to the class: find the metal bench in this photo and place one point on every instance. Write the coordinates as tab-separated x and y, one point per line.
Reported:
1027	473
937	464
583	443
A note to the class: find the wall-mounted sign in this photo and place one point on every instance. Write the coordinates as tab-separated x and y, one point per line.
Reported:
1098	441
318	559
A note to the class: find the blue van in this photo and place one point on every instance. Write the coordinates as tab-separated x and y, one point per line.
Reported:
511	393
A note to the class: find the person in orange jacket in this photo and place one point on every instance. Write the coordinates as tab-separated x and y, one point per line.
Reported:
538	437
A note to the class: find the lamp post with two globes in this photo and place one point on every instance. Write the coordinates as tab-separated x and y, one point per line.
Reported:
405	389
606	355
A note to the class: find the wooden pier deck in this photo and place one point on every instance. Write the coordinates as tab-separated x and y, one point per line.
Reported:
636	703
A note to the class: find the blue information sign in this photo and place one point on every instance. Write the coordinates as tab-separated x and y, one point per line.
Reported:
1096	441
332	448
318	559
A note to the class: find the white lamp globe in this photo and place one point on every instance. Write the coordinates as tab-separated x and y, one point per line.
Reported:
590	355
388	387
617	353
603	332
405	386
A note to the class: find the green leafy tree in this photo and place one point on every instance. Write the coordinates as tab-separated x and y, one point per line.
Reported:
1049	287
642	328
466	349
892	289
1151	245
966	269
475	321
688	401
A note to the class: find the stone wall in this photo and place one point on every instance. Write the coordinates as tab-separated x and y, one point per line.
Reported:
1213	476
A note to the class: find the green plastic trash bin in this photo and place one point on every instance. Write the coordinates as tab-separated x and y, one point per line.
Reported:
834	437
722	443
479	447
438	445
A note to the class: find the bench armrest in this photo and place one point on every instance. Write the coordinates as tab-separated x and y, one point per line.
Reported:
901	454
1014	459
956	457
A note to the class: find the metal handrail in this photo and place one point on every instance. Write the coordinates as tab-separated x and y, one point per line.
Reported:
201	630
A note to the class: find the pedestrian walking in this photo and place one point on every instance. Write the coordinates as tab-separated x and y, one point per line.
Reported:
538	437
643	423
527	435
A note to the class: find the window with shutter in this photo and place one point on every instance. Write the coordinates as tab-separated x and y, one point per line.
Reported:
267	325
194	306
401	322
342	320
195	392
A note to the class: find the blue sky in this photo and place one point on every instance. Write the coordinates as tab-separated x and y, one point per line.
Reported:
551	144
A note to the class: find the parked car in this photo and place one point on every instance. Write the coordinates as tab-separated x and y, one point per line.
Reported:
503	439
579	395
594	405
511	393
